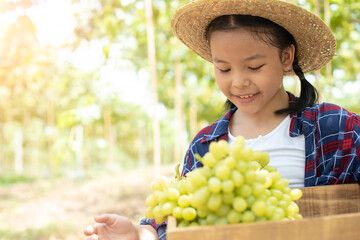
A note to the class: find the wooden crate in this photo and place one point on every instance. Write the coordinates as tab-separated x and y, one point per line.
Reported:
330	213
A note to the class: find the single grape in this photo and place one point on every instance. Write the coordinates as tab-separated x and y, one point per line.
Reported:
194	224
157	211
149	213
282	203
280	184
184	201
151	201
275	176
270	211
177	212
189	213
183	223
246	154
279	214
196	179
292	209
253	165
270	168
223	210
211	218
172	193
239	204
167	208
233	216
182	187
202	221
286	197
219	149
214	202
221	221
228	198
250	176
209	160
276	193
248	216
214	185
259	208
244	191
202	212
159	183
264	159
239	142
272	200
250	200
227	186
295	194
160	196
257	189
230	162
222	172
237	178
200	197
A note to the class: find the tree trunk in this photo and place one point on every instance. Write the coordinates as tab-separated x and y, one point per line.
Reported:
142	161
109	138
18	151
193	115
318	85
79	139
327	21
179	118
152	64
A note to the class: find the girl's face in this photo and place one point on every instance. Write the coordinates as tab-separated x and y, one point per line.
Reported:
249	71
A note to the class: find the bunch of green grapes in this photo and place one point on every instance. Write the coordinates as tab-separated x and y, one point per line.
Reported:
235	185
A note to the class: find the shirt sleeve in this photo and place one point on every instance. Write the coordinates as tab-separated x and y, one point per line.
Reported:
160	228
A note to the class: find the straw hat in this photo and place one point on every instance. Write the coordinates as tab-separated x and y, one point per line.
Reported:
316	44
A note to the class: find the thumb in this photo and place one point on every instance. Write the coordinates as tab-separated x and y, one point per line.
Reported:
108	219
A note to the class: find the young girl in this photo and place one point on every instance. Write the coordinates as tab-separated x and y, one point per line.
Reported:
252	45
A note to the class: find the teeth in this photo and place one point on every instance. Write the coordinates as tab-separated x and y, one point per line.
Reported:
246	96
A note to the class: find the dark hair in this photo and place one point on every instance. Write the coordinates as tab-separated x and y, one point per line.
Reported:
271	33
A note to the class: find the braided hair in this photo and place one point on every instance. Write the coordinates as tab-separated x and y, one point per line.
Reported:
271	33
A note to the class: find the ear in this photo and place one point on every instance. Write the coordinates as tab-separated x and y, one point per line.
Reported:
287	57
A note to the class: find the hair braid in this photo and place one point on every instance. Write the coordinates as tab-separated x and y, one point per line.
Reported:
308	93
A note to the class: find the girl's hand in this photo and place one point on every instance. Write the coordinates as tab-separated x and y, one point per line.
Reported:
115	227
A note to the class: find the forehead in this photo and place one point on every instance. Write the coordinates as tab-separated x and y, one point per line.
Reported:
239	42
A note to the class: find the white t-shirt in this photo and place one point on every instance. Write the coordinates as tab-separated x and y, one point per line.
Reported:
287	154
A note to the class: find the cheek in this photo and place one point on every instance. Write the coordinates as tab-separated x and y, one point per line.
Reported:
221	82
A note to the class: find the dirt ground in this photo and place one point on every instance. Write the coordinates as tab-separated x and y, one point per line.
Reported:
68	205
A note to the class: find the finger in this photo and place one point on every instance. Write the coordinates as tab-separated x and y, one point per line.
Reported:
89	230
108	219
93	237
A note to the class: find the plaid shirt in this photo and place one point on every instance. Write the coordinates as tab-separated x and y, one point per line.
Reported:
332	145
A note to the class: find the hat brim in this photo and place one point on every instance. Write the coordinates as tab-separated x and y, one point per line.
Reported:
316	43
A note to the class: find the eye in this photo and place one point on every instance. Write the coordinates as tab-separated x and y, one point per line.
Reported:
256	68
224	71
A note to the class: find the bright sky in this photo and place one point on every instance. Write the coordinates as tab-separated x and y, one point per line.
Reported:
54	20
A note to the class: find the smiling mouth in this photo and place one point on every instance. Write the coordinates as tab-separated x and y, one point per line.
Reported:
247	96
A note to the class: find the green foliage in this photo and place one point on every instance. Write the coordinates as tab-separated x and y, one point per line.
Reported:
8	179
51	231
49	97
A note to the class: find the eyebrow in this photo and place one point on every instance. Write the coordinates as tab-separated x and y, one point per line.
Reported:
256	56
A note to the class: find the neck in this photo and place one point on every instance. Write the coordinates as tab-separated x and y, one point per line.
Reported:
251	125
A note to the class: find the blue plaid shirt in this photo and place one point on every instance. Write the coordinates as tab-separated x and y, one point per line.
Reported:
332	146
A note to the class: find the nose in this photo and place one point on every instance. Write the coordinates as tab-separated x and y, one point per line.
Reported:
240	80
